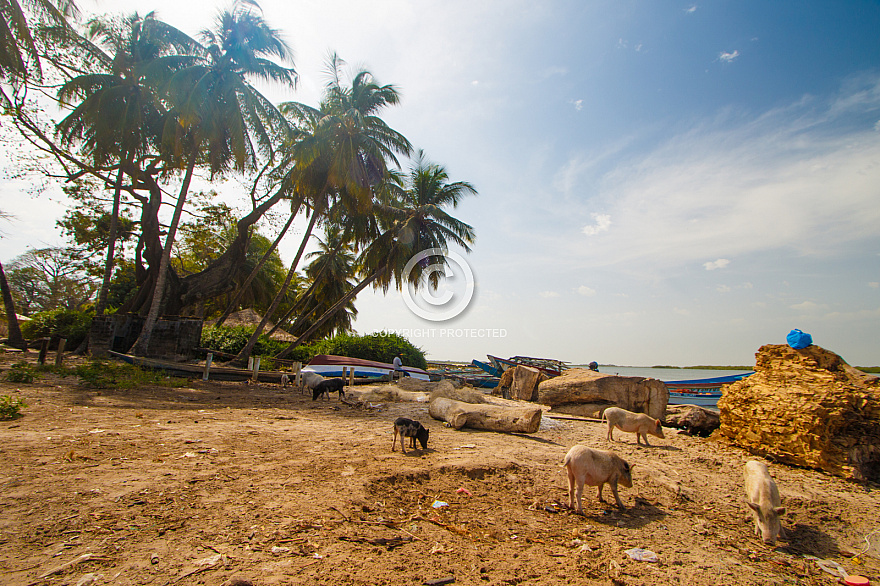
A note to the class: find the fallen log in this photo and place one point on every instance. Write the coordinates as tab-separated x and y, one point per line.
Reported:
483	416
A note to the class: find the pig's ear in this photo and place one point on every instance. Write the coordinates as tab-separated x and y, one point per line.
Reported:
754	507
780	510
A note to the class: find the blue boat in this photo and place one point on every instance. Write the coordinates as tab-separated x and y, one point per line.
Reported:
487	367
704	392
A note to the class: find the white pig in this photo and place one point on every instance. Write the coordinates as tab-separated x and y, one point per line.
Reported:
310	379
594	468
639	423
762	496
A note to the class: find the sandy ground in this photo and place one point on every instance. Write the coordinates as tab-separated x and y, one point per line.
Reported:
217	482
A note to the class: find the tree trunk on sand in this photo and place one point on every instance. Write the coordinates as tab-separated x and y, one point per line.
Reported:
483	416
249	347
16	340
331	312
233	303
142	345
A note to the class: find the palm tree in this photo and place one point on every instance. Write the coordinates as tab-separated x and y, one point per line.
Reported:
343	151
218	117
413	220
120	115
19	53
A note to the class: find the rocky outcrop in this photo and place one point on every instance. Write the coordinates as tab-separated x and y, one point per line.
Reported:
692	419
521	382
809	408
584	392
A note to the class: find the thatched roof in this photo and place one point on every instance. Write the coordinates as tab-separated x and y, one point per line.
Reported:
249	317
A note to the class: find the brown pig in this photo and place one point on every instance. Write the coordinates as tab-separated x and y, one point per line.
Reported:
594	468
762	496
639	423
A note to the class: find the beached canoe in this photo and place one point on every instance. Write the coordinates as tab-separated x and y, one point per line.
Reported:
328	365
704	392
183	369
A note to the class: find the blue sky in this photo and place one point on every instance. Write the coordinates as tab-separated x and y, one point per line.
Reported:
660	182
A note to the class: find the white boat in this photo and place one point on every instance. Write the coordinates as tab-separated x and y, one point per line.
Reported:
329	365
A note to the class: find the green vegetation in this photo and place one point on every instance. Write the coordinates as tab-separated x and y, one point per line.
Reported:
869	369
98	374
10	407
380	347
21	372
59	323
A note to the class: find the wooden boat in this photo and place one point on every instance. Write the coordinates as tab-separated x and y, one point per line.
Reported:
330	365
548	366
488	368
703	392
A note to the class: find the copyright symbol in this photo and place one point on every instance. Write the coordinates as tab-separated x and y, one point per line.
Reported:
455	278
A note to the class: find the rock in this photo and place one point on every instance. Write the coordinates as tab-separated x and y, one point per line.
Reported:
491	417
809	408
522	381
579	386
693	419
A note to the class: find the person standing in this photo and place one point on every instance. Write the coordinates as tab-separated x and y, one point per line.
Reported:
398	367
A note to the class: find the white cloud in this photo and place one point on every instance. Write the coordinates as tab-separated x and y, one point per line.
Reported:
874	285
806	306
548	294
602	224
716	264
680	311
586	291
691	9
728	57
578	105
723	289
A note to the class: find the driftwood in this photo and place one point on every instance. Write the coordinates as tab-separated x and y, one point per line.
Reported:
521	382
483	416
693	419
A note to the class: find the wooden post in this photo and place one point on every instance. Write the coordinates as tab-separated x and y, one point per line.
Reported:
351	377
44	347
59	354
297	368
256	375
250	362
208	362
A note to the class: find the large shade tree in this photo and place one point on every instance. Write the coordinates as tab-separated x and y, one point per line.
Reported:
217	117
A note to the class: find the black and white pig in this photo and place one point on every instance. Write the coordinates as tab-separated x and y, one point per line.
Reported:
407	428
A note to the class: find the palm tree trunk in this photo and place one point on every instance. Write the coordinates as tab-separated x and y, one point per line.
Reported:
249	347
16	340
305	296
141	346
331	312
234	302
111	246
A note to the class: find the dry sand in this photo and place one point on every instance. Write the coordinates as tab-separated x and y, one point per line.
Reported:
223	481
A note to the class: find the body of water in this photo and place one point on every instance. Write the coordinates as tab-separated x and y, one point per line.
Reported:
667	374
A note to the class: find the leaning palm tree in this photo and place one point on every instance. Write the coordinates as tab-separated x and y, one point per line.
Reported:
343	152
217	117
413	220
119	114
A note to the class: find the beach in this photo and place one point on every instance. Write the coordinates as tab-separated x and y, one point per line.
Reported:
216	481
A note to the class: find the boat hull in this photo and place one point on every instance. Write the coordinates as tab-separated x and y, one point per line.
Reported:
699	399
328	365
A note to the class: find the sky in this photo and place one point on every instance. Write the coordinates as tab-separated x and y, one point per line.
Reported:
660	183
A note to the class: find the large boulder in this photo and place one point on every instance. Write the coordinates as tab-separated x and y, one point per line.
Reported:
585	392
522	382
693	419
809	408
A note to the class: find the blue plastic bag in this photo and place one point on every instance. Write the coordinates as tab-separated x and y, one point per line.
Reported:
798	339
